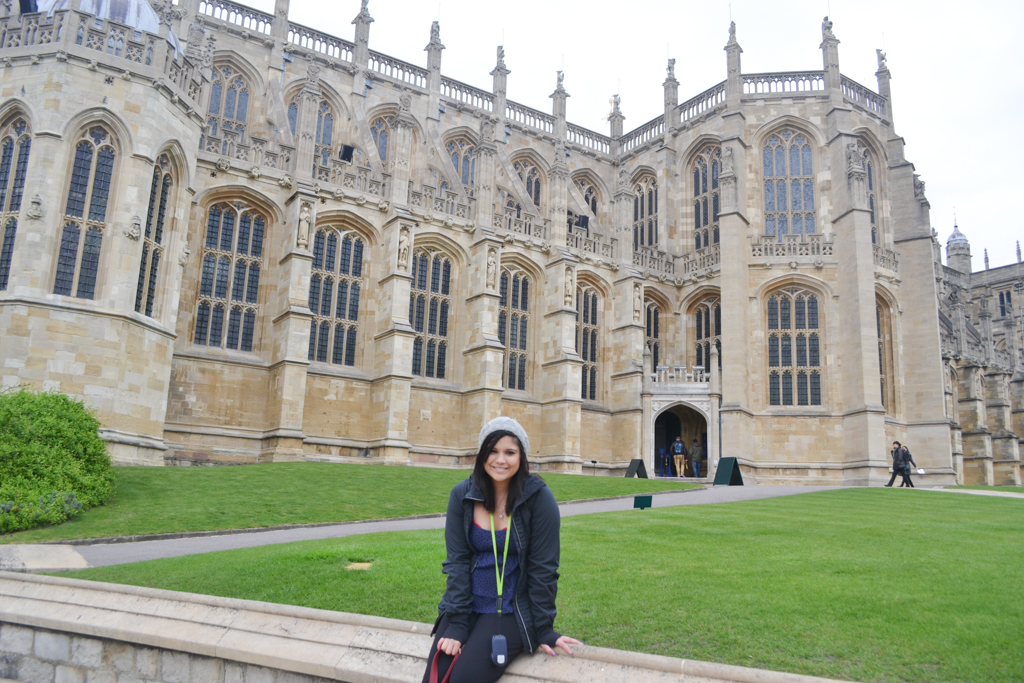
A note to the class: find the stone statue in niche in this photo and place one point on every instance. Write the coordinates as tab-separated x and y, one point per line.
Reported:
623	179
854	158
183	256
304	218
134	231
403	248
313	73
492	268
918	187
979	386
487	130
568	287
826	29
727	160
638	303
405	101
36	211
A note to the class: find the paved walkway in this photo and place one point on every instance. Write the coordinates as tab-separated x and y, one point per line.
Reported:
101	555
977	492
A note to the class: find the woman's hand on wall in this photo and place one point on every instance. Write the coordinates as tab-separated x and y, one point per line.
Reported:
563	642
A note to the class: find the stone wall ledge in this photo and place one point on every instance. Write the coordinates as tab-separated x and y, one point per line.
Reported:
299	640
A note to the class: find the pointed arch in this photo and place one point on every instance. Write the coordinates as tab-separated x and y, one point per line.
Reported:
232	192
124	139
344	219
532	156
592	177
640	172
526	264
466	132
592	279
695	148
14	107
175	152
780	123
240	63
441	242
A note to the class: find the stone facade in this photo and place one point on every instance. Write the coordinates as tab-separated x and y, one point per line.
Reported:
262	243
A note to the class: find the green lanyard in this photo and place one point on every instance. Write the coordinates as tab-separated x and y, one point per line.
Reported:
500	578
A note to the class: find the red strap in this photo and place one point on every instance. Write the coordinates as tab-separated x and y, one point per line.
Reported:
433	667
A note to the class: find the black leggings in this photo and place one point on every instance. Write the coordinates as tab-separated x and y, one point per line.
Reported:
474	665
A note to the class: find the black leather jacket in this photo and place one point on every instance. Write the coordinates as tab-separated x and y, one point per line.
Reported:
535	522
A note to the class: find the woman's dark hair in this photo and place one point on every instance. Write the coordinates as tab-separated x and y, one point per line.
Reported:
482	480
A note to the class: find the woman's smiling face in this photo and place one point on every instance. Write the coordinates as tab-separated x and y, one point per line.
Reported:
503	461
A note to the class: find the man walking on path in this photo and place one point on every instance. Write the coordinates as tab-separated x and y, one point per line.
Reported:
901	462
696	455
679	454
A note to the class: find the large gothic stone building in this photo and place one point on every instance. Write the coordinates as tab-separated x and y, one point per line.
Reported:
239	239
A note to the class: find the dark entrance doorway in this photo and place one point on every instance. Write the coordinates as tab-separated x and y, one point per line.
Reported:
683	421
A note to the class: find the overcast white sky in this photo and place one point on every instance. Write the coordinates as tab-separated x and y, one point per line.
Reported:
956	72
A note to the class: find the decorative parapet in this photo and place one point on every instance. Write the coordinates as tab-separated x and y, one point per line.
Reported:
329	46
587	138
712	99
887	259
525	116
863	98
466	94
665	376
789	246
649	258
398	70
597	244
641	136
955	277
429	199
239	15
700	262
117	48
784	83
521	223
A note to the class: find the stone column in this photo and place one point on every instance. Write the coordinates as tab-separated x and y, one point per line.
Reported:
712	447
830	60
1005	447
392	387
558	191
671	87
400	151
625	369
883	77
288	311
647	439
615	121
486	168
433	50
305	126
987	340
279	32
623	219
734	79
484	355
500	87
561	365
977	437
361	51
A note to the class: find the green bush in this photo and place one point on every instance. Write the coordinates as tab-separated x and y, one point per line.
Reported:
53	463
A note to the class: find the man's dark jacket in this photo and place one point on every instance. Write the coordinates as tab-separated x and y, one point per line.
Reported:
535	522
901	459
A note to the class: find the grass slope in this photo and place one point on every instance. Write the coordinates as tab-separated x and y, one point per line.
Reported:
153	500
1010	489
863	584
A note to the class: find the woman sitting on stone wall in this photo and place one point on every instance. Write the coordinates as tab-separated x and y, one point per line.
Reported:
501	535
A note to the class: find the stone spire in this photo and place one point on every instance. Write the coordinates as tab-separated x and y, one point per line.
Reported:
671	86
734	77
830	58
433	50
883	76
1018	251
986	259
361	53
615	117
499	87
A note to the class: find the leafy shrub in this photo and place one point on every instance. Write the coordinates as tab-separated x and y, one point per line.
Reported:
53	463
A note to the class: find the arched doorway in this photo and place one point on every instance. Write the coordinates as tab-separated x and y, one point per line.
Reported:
683	421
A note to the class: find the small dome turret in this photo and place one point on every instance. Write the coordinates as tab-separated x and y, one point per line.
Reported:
958	251
957	238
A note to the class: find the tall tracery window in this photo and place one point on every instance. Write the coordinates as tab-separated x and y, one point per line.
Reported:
587	303
1005	304
152	239
707	320
229	108
15	145
334	291
230	281
794	349
645	212
429	308
654	333
883	325
324	139
706	197
380	129
869	168
462	155
589	193
513	320
788	185
78	261
530	176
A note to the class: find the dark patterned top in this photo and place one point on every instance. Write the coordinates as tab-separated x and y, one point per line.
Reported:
485	585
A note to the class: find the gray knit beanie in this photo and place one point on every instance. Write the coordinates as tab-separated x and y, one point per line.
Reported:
505	424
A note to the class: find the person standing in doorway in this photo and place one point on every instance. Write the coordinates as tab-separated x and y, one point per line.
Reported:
664	469
696	455
679	454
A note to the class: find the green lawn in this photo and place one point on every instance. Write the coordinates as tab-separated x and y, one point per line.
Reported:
858	584
153	500
1011	489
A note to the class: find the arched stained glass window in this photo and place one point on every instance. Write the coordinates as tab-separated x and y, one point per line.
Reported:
430	308
380	129
587	305
230	277
653	332
85	214
794	348
531	178
513	326
228	112
334	296
463	158
708	332
706	197
160	191
883	328
645	212
590	195
788	168
15	146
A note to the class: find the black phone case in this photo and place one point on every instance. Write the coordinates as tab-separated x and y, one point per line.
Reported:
499	650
